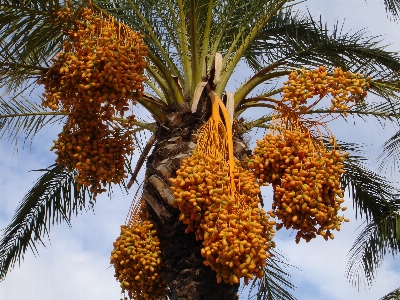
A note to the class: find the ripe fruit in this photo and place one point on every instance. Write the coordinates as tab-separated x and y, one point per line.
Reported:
138	261
218	200
344	87
95	151
96	76
305	177
232	229
101	63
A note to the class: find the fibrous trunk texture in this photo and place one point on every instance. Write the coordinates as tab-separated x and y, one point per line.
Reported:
186	275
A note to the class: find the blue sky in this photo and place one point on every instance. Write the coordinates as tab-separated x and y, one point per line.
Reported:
75	263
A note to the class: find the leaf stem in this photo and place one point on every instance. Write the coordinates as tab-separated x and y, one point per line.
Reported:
42	113
17	65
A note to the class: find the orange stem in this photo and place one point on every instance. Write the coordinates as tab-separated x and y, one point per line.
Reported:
217	102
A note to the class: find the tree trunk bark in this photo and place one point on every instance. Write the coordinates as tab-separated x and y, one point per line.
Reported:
185	274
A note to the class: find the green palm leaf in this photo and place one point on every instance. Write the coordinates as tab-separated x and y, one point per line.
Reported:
394	295
20	116
386	110
380	111
376	200
169	37
390	152
275	284
386	87
294	41
372	194
376	240
392	7
301	41
53	199
29	39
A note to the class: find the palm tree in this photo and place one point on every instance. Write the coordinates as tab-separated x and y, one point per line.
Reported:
194	49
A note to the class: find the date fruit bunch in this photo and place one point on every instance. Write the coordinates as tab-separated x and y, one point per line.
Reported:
219	201
306	181
137	259
94	79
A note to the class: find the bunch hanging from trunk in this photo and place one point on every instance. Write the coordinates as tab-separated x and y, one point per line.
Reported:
305	175
218	199
137	258
96	77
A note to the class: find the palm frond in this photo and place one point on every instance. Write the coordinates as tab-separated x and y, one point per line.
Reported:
386	87
372	194
381	111
385	110
54	198
38	5
29	39
170	37
275	284
20	116
378	201
392	7
294	41
393	295
254	18
301	41
390	153
376	240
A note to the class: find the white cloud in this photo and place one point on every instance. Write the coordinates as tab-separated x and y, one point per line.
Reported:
66	270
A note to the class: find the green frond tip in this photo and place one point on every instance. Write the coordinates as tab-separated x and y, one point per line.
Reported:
275	284
390	153
392	8
377	239
372	194
20	116
53	199
23	58
378	200
300	41
394	295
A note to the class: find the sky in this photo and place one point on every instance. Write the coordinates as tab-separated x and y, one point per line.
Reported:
75	262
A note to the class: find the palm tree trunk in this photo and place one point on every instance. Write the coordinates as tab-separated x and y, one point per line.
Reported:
186	275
